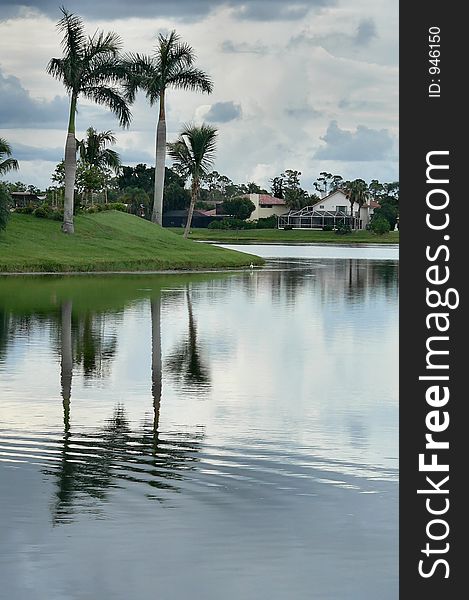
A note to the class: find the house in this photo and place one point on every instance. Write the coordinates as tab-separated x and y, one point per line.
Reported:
21	199
266	206
331	210
200	218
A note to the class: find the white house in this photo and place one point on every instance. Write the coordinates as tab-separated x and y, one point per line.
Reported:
330	210
266	206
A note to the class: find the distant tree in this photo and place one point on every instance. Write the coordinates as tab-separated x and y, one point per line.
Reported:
327	183
294	195
253	188
139	176
239	208
138	201
7	163
90	67
276	187
91	179
94	151
5	200
217	186
356	192
175	197
193	152
172	66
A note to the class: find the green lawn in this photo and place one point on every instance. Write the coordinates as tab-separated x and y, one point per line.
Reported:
107	241
295	235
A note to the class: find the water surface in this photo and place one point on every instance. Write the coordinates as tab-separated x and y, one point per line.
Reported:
218	436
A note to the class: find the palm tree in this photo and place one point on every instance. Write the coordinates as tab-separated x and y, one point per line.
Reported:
172	66
193	153
90	67
6	162
93	150
357	192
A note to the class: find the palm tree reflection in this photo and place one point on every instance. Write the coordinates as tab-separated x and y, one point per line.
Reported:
185	363
116	455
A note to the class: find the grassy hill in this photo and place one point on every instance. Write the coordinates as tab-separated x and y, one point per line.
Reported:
107	241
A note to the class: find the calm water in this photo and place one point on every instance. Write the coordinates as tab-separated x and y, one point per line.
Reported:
213	437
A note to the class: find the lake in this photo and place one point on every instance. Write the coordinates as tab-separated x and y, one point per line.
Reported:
208	436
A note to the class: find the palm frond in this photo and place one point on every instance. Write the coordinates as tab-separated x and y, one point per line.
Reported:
5	147
194	149
190	79
74	38
113	99
7	165
102	43
140	72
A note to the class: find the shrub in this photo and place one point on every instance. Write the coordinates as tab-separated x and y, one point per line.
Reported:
42	212
25	210
239	208
231	223
288	228
57	215
267	222
343	229
327	228
379	225
215	225
114	206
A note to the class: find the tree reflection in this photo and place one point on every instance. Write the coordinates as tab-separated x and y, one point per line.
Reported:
95	348
115	455
185	362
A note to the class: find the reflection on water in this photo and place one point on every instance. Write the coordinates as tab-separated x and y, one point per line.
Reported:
238	429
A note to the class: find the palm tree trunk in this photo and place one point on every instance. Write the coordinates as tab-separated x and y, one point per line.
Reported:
70	170
160	159
194	195
351	213
66	363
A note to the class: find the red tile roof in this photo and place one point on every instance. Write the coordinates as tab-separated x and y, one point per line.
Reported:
266	199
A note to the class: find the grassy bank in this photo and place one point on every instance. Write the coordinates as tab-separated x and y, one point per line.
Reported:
107	241
296	236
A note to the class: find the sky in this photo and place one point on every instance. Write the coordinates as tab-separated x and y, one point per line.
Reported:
310	85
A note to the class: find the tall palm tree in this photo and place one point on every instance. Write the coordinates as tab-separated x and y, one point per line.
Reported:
356	192
193	153
93	150
171	66
90	67
6	162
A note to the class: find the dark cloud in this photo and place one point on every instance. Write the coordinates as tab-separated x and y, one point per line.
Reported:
303	112
366	31
19	109
262	10
23	152
364	144
339	42
348	104
229	47
222	112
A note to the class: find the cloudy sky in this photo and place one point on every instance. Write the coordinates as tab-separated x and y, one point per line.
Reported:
310	85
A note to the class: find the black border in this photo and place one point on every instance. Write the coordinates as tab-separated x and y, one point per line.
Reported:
426	124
